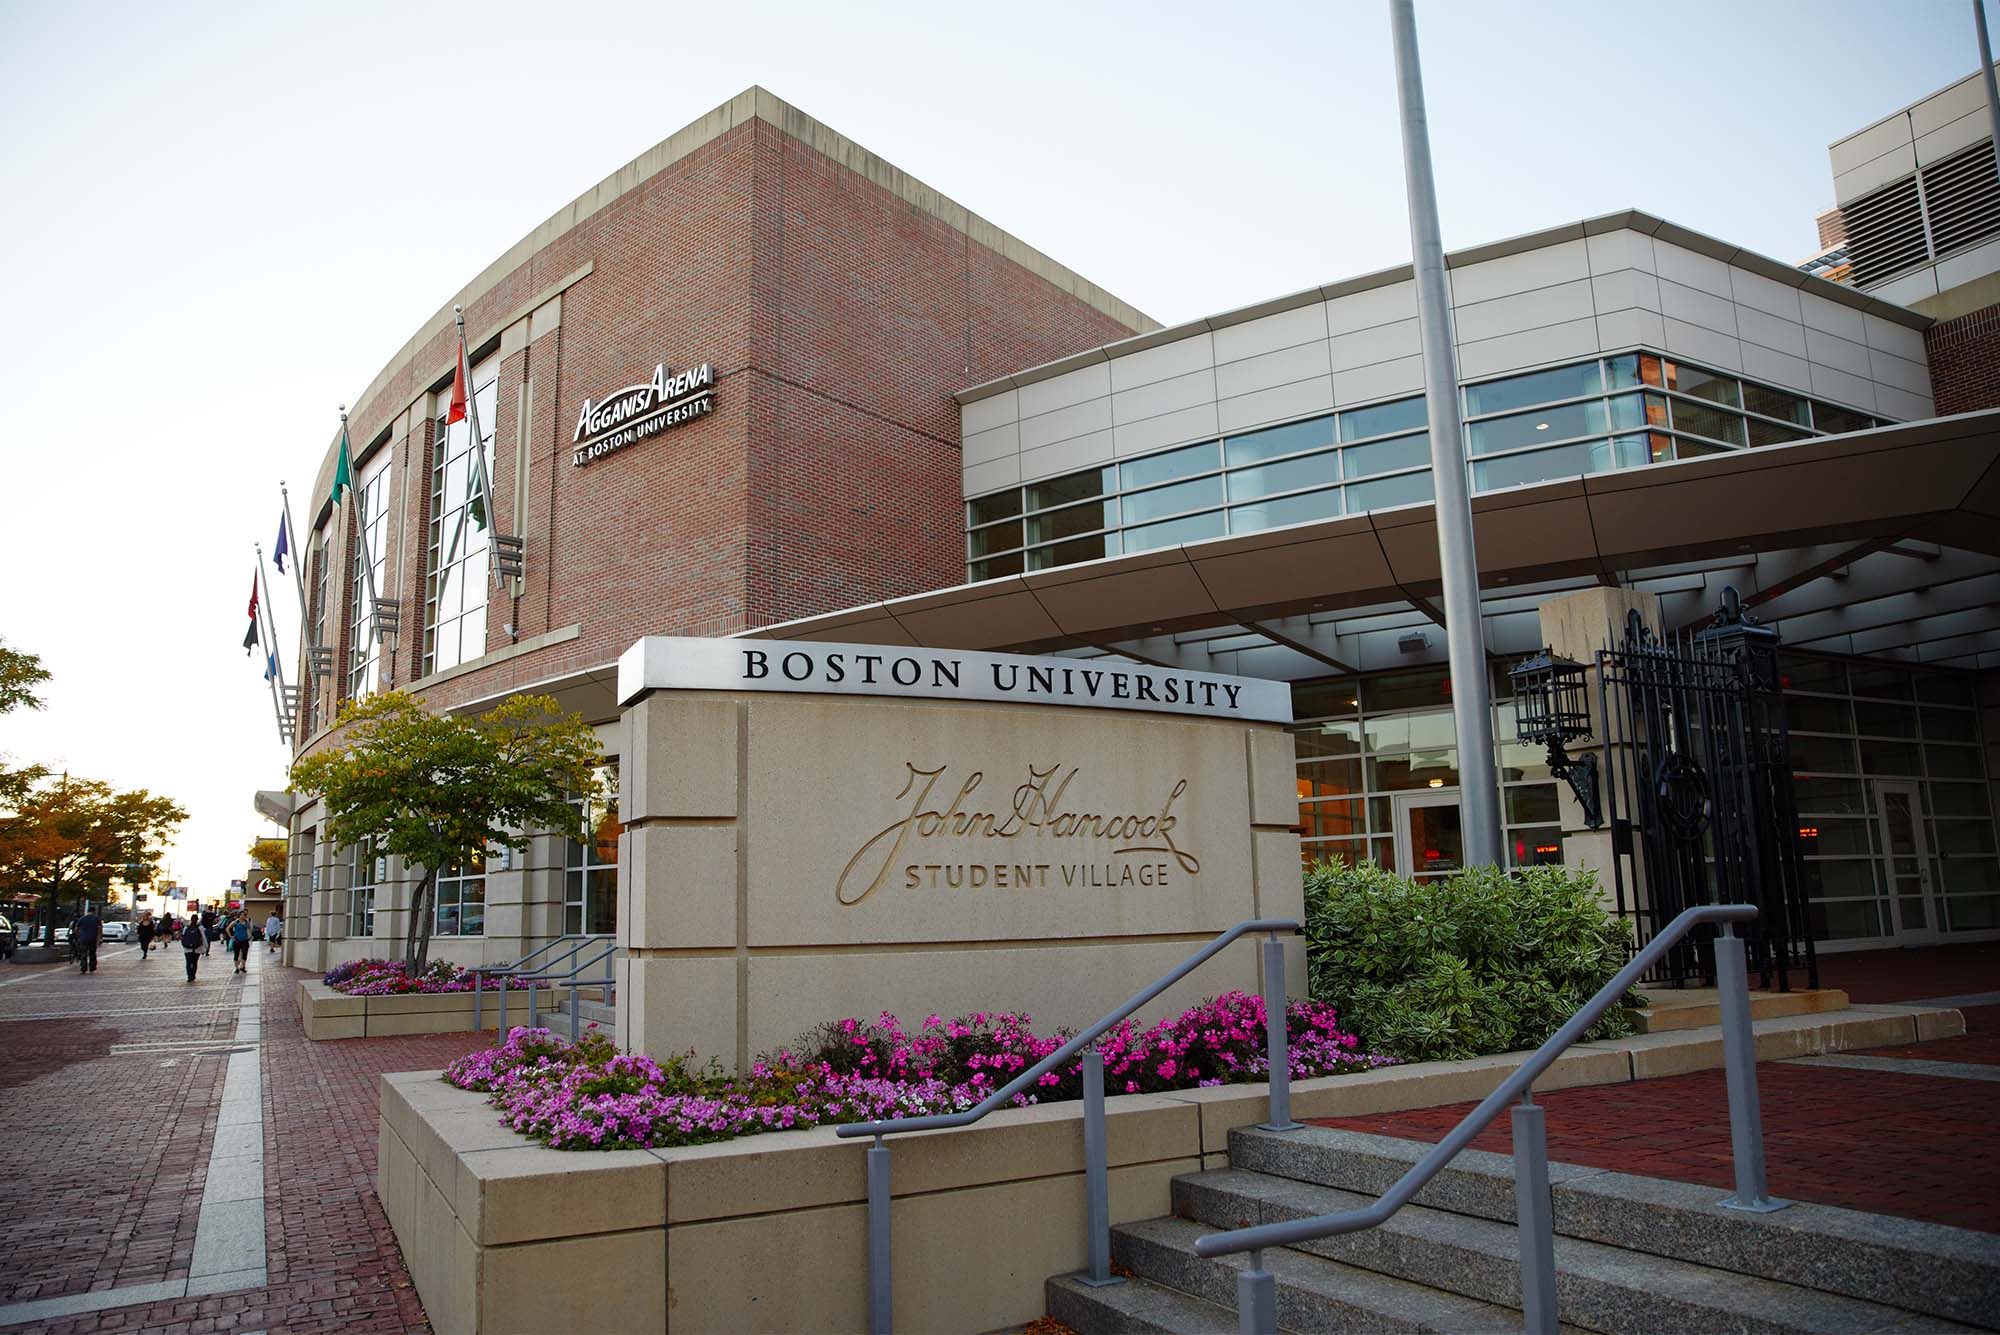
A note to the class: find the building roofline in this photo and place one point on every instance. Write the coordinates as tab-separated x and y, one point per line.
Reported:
1905	109
1633	219
752	104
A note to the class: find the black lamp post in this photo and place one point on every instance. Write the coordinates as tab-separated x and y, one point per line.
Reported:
1550	709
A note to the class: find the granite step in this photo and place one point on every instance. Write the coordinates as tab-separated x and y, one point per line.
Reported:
1900	1263
1183	1293
1599	1287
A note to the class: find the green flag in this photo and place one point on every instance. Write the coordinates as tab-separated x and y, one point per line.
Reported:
343	471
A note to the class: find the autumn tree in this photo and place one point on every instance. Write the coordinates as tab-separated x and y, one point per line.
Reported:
439	790
269	856
66	837
20	674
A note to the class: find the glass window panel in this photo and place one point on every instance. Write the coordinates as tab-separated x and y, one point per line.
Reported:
1312	471
1564	382
1536	428
1386	456
1957	799
1703	384
1686	447
1531	802
1000	537
1776	403
1884	720
1343	852
1401	489
1962	836
1890	758
1890	683
1076	549
1829	795
1970	875
1851	920
1195	495
1330	778
1072	487
1425	688
1797	673
1636	410
1410	729
1522	762
1332	820
1807	713
1383	418
1325	699
1833	419
1000	505
1834	755
1622	372
1329	738
1191	529
1285	510
1009	564
1825	836
1706	421
1953	762
1291	438
1202	458
1418	769
1949	725
1942	688
1540	847
1584	456
1770	433
1973	913
1072	520
1839	878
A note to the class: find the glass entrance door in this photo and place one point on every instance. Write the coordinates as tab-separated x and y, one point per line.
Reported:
1430	841
1906	862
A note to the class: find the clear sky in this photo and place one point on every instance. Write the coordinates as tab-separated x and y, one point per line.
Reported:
219	221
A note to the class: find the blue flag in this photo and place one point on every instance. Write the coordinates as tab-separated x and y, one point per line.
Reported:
270	666
284	544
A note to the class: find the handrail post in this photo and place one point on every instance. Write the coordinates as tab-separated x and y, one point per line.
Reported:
500	1030
478	1002
1256	1299
572	1012
1096	1174
1277	1047
534	1008
1739	1064
1534	1220
881	1297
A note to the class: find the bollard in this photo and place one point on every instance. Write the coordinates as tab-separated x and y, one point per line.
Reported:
1277	1047
1739	1064
1533	1218
1096	1174
881	1297
1256	1299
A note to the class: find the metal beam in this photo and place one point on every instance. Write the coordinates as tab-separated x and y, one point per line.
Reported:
1298	635
1798	580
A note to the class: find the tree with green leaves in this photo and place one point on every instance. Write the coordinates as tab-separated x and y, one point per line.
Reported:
66	838
20	674
439	790
269	856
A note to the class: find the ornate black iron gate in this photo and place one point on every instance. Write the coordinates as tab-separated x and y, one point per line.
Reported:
1698	785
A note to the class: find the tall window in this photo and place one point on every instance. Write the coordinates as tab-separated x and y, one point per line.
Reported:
322	695
364	653
455	587
590	885
367	871
461	899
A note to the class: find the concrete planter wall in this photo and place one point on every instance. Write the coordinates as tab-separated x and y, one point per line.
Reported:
769	1232
331	1014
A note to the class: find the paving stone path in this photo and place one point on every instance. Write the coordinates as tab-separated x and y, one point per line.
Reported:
164	1140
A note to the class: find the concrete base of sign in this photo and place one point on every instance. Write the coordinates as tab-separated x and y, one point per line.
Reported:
330	1014
769	1232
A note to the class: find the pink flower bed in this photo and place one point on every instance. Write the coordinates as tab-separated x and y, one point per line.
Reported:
391	978
589	1095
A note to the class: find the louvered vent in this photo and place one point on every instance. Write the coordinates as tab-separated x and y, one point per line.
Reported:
1886	229
1963	197
1885	232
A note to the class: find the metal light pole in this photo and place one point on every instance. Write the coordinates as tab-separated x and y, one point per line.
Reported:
1471	707
1986	76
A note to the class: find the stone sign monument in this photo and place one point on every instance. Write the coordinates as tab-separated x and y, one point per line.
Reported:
816	831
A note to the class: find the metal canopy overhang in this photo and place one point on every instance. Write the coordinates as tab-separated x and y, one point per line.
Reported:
1933	481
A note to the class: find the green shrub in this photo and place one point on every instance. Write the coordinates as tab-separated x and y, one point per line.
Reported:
1483	961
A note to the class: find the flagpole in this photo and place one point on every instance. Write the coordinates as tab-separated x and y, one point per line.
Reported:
298	562
478	450
274	674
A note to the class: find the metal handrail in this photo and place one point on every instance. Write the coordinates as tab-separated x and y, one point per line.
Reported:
1096	1171
1256	1290
569	980
480	973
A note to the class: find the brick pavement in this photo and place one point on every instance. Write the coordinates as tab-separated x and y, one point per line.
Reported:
117	1201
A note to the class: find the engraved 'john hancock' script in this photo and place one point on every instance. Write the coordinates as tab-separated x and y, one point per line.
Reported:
1037	806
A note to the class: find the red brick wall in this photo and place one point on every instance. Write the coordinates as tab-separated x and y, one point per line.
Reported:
1965	362
840	319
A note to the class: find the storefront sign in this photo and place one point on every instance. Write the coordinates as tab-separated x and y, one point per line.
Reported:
662	662
638	411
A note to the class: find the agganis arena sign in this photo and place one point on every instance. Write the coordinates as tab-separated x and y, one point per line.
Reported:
646	409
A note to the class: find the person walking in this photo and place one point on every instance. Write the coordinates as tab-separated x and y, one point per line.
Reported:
84	934
146	931
194	943
274	928
211	930
239	941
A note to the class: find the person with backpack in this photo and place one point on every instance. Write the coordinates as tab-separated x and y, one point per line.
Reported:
211	927
239	941
194	943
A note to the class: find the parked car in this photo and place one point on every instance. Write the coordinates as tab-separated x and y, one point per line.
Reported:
118	931
9	938
61	937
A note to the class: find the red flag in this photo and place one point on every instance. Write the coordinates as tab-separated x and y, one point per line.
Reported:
253	597
458	378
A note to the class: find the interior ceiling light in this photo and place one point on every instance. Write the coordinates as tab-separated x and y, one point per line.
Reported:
1541	426
1437	783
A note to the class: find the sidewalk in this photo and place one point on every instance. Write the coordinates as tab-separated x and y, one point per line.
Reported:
129	1139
